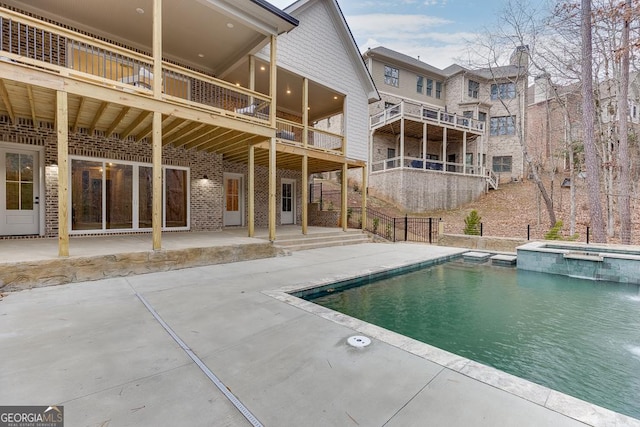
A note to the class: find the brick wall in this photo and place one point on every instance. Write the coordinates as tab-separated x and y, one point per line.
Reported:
207	195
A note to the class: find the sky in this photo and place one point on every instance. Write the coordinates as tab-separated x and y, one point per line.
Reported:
437	31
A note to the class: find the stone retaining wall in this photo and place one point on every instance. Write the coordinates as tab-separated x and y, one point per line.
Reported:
497	244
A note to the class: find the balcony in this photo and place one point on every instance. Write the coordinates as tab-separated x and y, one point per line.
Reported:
425	114
29	42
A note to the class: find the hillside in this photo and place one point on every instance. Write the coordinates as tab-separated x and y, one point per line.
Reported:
507	211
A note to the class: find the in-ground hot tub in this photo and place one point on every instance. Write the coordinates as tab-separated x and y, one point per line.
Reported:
615	263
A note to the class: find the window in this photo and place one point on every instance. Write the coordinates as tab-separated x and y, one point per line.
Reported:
391	76
114	195
467	114
391	154
438	89
501	164
482	116
429	87
503	125
474	89
419	84
468	159
503	91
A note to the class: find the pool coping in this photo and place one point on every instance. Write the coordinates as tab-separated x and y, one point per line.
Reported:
546	397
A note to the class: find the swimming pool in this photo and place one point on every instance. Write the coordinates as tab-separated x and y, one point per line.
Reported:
576	336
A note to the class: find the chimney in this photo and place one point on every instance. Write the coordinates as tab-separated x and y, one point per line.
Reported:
520	56
542	88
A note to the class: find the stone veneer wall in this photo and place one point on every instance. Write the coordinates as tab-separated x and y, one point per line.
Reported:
425	190
207	195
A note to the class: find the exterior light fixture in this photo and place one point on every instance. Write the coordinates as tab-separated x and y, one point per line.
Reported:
140	10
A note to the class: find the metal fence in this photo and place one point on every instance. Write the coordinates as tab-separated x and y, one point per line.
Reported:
404	229
328	199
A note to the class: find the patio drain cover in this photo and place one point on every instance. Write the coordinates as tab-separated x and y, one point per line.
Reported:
358	341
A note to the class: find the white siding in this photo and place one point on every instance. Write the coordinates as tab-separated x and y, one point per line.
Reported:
315	49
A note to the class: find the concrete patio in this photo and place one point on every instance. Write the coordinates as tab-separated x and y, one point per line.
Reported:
95	348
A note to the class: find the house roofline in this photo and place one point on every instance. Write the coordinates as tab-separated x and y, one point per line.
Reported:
276	11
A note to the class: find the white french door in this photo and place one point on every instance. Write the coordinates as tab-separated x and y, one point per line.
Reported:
19	191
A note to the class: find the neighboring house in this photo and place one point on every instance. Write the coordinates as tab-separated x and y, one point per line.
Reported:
555	119
92	141
439	138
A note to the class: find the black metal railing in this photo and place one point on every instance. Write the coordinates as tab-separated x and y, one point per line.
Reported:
329	200
403	229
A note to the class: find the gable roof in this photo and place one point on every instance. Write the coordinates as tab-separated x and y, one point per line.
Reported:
349	41
385	53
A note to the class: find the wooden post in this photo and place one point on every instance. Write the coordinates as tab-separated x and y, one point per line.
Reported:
444	149
305	192
273	80
424	146
156	203
272	190
305	112
252	179
157	49
364	198
464	152
345	201
156	130
62	121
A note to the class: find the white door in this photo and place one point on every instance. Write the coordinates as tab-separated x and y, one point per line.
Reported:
19	192
287	204
233	199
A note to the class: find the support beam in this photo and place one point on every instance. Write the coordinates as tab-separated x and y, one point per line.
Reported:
424	145
62	123
305	192
117	121
32	104
156	201
464	152
157	49
7	102
345	200
402	138
96	118
444	149
252	191
272	189
76	123
305	112
364	198
273	80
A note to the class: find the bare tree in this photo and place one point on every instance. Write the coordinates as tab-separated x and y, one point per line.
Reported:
588	118
624	164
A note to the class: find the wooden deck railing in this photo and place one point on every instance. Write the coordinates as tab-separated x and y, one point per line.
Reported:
425	113
317	138
43	45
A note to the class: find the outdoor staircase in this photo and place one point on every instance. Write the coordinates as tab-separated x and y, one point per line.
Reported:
492	180
300	242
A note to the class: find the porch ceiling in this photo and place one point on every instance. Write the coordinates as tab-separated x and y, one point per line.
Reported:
210	35
88	115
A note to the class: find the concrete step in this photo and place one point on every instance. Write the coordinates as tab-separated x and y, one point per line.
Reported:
324	240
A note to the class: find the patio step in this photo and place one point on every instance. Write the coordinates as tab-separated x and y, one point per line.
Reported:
322	240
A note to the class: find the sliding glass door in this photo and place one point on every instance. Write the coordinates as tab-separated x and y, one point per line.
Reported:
110	196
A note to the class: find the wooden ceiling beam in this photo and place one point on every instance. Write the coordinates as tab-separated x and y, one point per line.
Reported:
7	102
74	128
136	122
197	143
32	105
97	116
191	127
112	127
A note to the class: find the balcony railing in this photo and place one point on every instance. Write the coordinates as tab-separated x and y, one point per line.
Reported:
414	163
424	113
47	46
317	138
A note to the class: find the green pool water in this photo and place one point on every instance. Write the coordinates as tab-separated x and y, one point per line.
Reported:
576	336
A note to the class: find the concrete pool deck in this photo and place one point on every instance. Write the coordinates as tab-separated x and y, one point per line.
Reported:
96	349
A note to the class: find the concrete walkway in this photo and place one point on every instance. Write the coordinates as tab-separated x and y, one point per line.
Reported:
96	349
